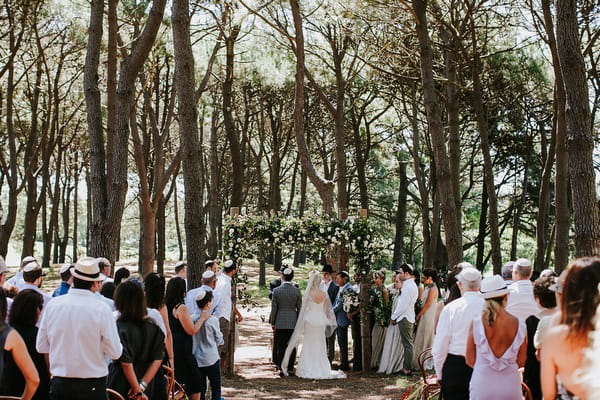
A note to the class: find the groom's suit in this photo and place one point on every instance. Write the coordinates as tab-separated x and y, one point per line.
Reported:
332	291
342	330
285	307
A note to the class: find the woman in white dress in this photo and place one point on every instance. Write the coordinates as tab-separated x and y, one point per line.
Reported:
316	322
426	317
392	355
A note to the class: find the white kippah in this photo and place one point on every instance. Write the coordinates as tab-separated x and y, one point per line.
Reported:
207	274
201	294
287	271
65	268
228	263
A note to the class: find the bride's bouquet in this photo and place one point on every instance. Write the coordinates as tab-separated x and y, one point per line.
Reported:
350	300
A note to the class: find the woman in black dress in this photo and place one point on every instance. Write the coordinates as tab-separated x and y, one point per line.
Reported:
182	329
132	375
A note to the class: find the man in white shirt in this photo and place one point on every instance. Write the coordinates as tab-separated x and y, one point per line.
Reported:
223	309
17	280
450	343
78	332
404	315
521	302
209	282
3	269
181	270
506	271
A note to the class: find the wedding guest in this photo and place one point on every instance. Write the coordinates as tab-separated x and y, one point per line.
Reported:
450	342
23	317
496	346
354	317
121	274
206	348
33	276
404	315
222	310
546	300
108	290
507	272
285	307
552	319
521	303
564	345
392	356
105	269
3	270
183	328
342	280
331	289
154	289
209	282
18	280
381	313
79	320
132	375
425	319
212	265
66	280
181	270
589	372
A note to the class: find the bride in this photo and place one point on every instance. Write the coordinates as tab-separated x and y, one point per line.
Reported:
316	321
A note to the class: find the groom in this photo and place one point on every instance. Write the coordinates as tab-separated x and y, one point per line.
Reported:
343	322
285	307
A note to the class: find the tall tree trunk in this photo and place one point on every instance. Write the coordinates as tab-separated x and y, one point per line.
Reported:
479	263
559	129
189	141
75	216
214	210
324	187
484	142
580	138
400	217
543	215
177	226
443	175
237	164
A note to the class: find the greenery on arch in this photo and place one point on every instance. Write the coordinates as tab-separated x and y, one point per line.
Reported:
245	235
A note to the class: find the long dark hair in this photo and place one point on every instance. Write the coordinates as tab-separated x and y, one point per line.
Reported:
175	292
24	308
154	287
130	302
580	297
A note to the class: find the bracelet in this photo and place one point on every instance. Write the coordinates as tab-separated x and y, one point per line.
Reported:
143	386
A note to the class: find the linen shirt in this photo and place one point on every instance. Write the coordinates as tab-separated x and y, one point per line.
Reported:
206	341
521	302
16	280
190	300
45	295
78	331
223	293
453	328
405	307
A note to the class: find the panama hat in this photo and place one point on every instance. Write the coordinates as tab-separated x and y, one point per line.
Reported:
493	286
87	269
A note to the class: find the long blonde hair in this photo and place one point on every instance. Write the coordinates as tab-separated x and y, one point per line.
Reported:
491	308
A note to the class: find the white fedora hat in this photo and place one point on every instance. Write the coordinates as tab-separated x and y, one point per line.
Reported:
493	286
87	269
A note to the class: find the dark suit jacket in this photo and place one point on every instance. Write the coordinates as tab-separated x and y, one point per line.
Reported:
338	307
285	306
332	291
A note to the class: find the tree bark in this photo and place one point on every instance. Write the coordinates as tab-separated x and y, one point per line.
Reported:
324	187
400	217
189	142
443	175
580	139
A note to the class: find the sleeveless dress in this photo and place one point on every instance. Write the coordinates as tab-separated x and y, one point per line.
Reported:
425	327
496	378
313	362
185	362
392	356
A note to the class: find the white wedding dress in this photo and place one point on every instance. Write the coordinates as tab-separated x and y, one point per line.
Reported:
315	322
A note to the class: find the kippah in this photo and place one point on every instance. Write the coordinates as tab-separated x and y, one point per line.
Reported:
228	263
287	271
201	294
207	274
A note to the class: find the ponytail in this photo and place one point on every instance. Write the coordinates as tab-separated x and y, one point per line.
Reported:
491	308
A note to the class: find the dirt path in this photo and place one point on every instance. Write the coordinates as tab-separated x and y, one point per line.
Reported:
256	377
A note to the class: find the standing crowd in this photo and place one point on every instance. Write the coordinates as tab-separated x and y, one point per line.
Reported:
125	334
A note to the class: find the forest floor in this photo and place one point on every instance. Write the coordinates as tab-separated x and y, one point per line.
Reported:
257	378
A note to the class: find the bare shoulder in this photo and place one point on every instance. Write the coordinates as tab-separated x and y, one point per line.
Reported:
556	335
